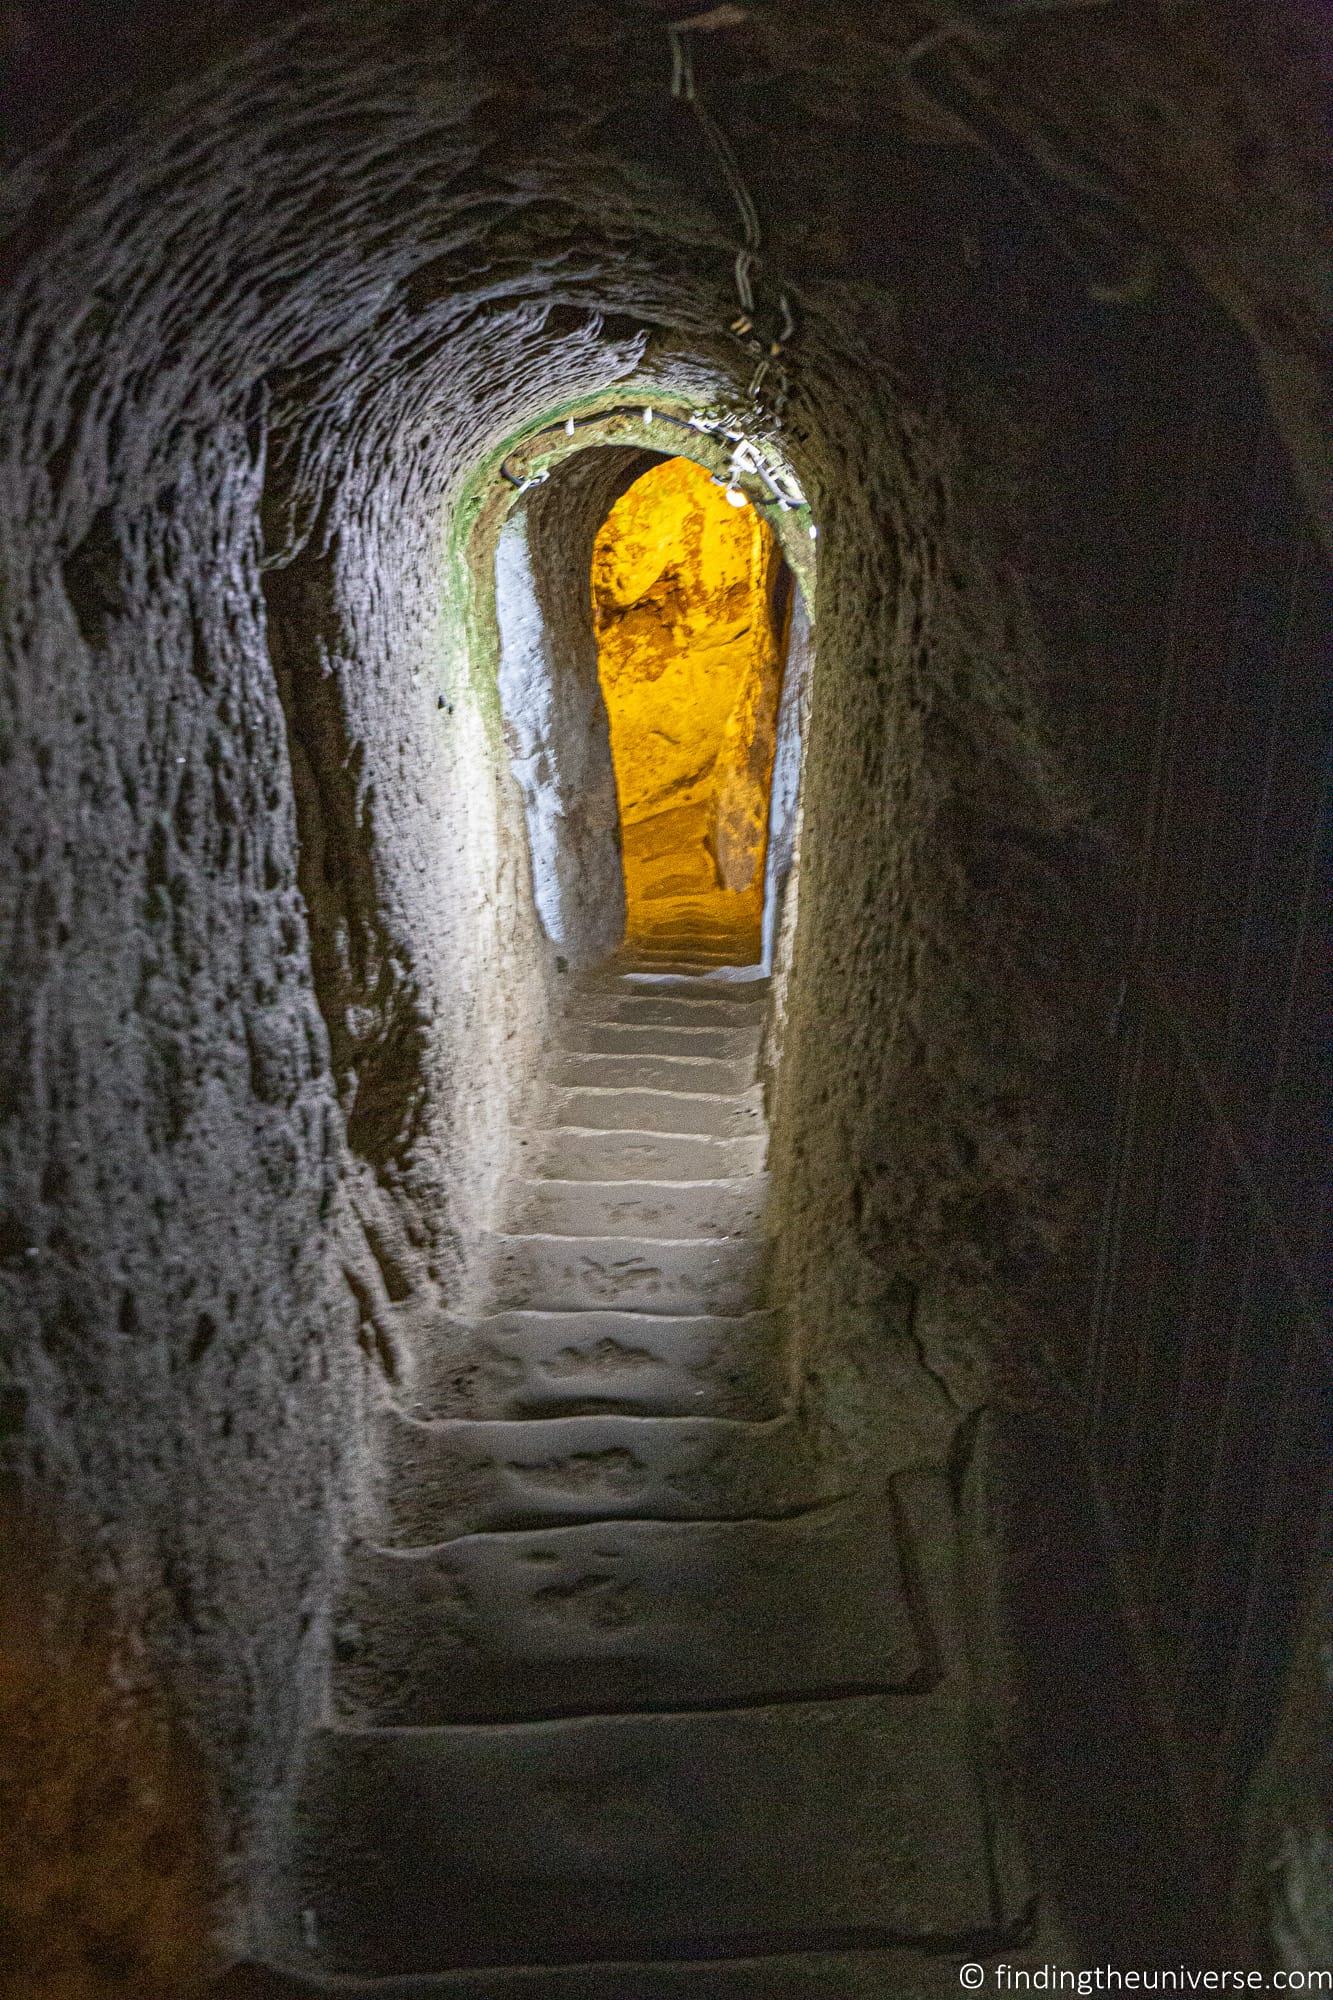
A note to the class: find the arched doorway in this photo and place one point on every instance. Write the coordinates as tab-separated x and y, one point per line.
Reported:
654	661
691	605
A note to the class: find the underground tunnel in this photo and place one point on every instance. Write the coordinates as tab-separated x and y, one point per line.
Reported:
664	731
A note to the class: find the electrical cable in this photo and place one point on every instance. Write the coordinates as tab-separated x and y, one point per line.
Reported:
747	264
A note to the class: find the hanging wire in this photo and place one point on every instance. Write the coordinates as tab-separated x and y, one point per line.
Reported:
966	26
1233	1376
1130	1082
1239	1420
747	265
1270	1525
522	484
683	88
782	490
1186	930
1307	1325
1199	897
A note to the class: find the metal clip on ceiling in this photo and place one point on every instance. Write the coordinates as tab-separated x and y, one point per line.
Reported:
745	459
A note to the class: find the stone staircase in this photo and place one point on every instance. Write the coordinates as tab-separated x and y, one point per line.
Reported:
648	1680
675	901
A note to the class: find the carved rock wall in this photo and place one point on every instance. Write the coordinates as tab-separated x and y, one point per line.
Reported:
274	982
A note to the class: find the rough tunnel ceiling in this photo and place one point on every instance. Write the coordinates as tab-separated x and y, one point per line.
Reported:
202	1282
1197	124
683	593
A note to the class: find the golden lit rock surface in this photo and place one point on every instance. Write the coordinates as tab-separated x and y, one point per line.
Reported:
690	663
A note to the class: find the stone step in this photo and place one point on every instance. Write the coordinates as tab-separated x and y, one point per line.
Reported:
711	1209
681	888
456	1476
647	1156
414	1850
693	919
712	1114
639	1071
551	1364
743	984
685	935
683	947
587	1273
665	858
726	1007
675	1038
688	923
687	964
804	1975
624	1616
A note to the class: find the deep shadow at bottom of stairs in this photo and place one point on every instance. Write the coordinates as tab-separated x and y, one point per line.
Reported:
817	1975
1101	1818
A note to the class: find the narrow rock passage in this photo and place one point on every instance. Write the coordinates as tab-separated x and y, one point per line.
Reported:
650	1681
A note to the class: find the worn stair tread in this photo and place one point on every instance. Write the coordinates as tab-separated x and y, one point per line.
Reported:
714	1208
661	1038
455	1475
614	1108
664	1000
725	1008
685	931
694	964
698	960
805	1975
739	983
526	1364
675	1275
641	1071
739	952
562	1153
627	1615
690	923
693	919
681	953
628	1833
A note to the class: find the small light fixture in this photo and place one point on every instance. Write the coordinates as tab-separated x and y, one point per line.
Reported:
814	532
736	497
648	414
569	426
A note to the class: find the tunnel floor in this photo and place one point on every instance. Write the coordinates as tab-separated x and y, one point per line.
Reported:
650	1681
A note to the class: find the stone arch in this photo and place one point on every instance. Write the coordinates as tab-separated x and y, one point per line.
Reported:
554	716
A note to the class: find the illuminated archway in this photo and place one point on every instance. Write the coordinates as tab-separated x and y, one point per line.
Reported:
691	598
